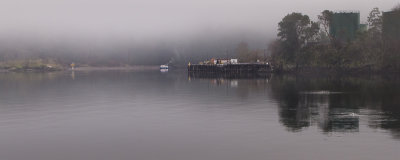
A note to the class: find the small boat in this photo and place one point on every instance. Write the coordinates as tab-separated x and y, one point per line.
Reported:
164	67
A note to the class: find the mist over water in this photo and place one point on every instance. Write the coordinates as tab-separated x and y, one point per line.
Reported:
152	32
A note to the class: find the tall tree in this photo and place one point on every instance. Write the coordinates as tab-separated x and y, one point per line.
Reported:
295	31
375	23
325	20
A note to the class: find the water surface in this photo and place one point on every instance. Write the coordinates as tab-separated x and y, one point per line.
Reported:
149	115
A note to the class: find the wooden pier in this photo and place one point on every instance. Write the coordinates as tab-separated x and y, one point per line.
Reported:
230	68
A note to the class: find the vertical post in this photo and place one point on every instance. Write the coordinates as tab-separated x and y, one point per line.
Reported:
264	56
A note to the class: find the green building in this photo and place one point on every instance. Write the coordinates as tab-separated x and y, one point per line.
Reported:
344	26
363	27
391	25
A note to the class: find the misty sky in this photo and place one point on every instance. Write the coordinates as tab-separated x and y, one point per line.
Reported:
158	18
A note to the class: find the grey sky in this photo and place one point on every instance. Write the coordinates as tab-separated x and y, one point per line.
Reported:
163	18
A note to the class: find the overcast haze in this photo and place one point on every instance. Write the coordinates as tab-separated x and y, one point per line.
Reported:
163	17
152	27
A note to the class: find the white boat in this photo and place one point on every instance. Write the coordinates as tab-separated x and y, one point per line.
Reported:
164	67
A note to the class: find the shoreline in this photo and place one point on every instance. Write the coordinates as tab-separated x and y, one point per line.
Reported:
130	68
309	71
337	71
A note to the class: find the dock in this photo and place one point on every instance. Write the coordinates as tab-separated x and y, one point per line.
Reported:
238	68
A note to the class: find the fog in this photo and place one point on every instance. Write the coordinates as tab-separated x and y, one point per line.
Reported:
143	27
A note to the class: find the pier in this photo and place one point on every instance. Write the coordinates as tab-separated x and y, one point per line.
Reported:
238	68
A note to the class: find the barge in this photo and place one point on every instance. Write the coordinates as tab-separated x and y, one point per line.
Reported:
237	68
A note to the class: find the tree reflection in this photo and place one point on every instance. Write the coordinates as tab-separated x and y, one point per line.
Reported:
332	104
336	104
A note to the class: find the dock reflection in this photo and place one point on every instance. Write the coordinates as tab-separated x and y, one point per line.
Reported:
229	76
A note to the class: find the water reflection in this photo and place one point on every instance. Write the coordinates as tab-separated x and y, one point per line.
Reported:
175	115
333	104
240	84
303	110
229	76
337	104
163	70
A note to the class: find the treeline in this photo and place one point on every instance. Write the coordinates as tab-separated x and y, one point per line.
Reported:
303	44
22	50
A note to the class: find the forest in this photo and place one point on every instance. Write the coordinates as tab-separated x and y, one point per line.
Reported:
305	45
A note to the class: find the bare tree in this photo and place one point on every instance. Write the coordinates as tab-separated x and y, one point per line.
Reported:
325	20
375	23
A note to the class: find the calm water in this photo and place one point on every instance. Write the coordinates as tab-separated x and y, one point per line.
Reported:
148	115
